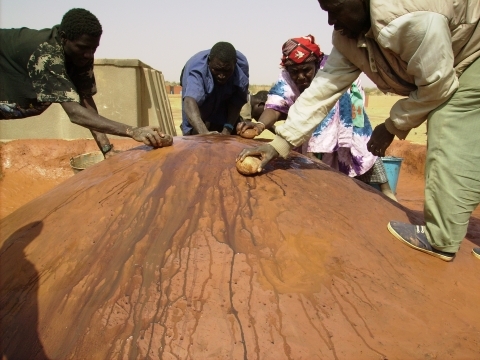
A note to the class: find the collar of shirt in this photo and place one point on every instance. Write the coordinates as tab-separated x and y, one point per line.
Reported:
362	42
239	77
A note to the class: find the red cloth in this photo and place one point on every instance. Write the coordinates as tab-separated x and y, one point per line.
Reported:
300	50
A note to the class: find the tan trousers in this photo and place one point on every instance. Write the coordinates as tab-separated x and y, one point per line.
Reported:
452	189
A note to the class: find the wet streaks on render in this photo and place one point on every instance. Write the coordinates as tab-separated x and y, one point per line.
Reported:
172	254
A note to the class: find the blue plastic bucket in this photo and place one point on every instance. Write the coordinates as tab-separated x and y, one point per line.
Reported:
392	168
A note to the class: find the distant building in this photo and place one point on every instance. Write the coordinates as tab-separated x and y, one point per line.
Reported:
173	89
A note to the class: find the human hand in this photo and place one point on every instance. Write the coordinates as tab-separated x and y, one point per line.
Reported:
380	140
249	129
152	136
266	152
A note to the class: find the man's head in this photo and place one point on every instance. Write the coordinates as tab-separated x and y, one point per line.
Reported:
301	58
257	102
80	33
350	17
221	61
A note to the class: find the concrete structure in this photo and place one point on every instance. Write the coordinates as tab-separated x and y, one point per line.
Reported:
129	91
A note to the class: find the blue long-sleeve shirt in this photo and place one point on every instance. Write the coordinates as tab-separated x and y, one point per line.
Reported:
213	99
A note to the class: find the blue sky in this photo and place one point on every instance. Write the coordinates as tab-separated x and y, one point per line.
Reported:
166	33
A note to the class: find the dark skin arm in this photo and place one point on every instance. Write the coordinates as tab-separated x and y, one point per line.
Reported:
100	138
265	152
89	118
233	112
267	121
190	107
380	140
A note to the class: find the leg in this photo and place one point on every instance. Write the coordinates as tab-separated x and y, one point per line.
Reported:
387	191
378	175
452	188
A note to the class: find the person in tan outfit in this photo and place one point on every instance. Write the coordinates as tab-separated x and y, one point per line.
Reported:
429	52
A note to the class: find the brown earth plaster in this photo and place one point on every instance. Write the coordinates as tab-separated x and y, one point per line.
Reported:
31	167
171	253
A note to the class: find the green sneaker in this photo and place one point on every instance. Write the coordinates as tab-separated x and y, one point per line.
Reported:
476	252
415	237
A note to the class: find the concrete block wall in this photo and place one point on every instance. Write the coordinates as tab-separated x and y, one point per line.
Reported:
129	92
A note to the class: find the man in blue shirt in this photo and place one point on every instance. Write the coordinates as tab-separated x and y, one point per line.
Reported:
214	89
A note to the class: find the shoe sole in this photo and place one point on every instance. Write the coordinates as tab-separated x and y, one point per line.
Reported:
437	255
477	255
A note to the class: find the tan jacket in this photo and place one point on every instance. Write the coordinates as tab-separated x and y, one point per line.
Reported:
415	48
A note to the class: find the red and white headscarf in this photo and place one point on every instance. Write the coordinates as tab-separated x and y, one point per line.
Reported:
300	50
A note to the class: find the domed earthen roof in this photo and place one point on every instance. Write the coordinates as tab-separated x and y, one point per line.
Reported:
172	254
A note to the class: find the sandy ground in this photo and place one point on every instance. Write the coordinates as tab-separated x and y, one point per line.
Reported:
378	110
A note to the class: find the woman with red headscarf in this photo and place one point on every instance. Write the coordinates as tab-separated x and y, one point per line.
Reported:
341	139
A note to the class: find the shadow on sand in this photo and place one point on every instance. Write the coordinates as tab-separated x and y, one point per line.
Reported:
19	337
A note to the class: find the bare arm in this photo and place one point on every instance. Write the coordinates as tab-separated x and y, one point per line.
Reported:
267	121
193	115
89	118
100	138
269	117
233	112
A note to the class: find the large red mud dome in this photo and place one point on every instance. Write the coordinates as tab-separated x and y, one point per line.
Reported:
172	254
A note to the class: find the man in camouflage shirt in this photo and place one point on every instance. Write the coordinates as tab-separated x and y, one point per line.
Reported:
40	67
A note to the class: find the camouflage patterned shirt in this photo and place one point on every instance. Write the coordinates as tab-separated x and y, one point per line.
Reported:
34	73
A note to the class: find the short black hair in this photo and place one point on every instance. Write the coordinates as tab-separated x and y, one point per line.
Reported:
78	22
260	96
223	51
